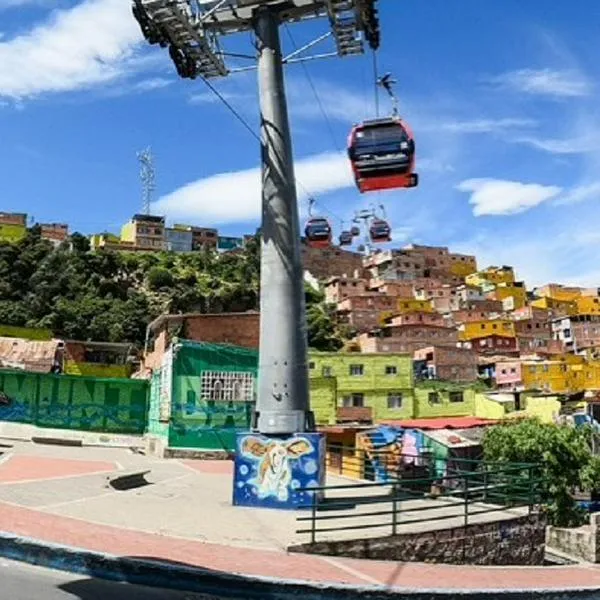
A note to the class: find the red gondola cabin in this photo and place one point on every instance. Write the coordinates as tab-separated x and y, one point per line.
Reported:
318	233
382	153
380	231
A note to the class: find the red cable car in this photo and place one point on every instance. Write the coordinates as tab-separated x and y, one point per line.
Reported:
380	231
346	238
382	153
318	232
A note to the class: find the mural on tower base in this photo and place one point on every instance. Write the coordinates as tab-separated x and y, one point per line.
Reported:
273	472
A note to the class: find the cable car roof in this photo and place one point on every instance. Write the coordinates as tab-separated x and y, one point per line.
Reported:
378	122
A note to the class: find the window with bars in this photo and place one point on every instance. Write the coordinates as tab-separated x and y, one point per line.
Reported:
237	386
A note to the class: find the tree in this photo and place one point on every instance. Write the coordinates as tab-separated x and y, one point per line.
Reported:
564	454
112	296
159	278
321	322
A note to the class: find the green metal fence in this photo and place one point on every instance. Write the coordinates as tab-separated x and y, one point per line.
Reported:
470	488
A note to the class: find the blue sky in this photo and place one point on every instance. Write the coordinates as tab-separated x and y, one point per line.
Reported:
502	97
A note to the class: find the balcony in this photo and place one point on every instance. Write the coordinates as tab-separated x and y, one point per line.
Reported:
354	414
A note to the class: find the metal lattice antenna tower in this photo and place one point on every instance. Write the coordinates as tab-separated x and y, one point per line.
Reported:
148	177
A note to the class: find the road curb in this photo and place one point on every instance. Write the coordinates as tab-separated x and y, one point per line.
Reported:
159	573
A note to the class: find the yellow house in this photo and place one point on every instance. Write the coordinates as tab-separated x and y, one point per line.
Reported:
558	292
516	291
587	305
550	376
495	275
590	376
145	231
547	303
409	305
478	329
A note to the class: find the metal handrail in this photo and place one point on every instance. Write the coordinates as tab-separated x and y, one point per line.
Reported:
496	488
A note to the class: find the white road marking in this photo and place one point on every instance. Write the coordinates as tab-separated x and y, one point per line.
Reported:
349	570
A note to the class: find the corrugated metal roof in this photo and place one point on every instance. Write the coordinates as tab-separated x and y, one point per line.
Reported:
441	423
450	438
28	355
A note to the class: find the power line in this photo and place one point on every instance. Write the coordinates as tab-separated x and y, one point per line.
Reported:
315	93
249	128
231	108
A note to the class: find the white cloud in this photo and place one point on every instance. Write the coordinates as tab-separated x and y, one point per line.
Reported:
545	82
486	125
581	193
584	144
500	197
87	45
235	197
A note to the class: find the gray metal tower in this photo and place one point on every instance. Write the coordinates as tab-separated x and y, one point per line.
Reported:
192	30
147	176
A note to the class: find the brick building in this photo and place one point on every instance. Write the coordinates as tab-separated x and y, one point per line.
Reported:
417	318
396	264
364	312
407	338
577	332
443	298
447	363
400	289
54	232
339	288
323	263
240	329
493	345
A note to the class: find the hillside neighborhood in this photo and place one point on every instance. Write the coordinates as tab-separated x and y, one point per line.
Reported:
427	333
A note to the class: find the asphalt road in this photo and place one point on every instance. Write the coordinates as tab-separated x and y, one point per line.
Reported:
20	581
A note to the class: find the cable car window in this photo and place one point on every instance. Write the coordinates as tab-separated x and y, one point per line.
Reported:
388	134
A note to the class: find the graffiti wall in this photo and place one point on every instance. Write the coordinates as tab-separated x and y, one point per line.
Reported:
272	472
82	403
388	451
213	388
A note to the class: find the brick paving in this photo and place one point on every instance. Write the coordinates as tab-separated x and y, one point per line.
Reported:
110	535
18	469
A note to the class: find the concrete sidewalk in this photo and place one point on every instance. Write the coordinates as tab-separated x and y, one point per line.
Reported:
60	495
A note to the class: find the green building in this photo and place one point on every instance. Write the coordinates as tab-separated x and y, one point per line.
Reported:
360	387
355	387
202	395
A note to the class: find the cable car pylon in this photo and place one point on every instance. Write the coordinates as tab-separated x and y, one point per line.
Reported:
282	424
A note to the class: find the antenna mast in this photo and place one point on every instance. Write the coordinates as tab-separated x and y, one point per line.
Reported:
147	176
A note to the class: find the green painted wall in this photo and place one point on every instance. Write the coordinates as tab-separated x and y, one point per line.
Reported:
81	403
323	397
27	333
424	408
97	370
375	383
12	233
156	426
199	422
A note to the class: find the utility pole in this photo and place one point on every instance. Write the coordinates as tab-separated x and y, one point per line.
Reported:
282	404
283	423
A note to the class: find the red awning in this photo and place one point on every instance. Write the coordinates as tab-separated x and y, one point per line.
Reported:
441	423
